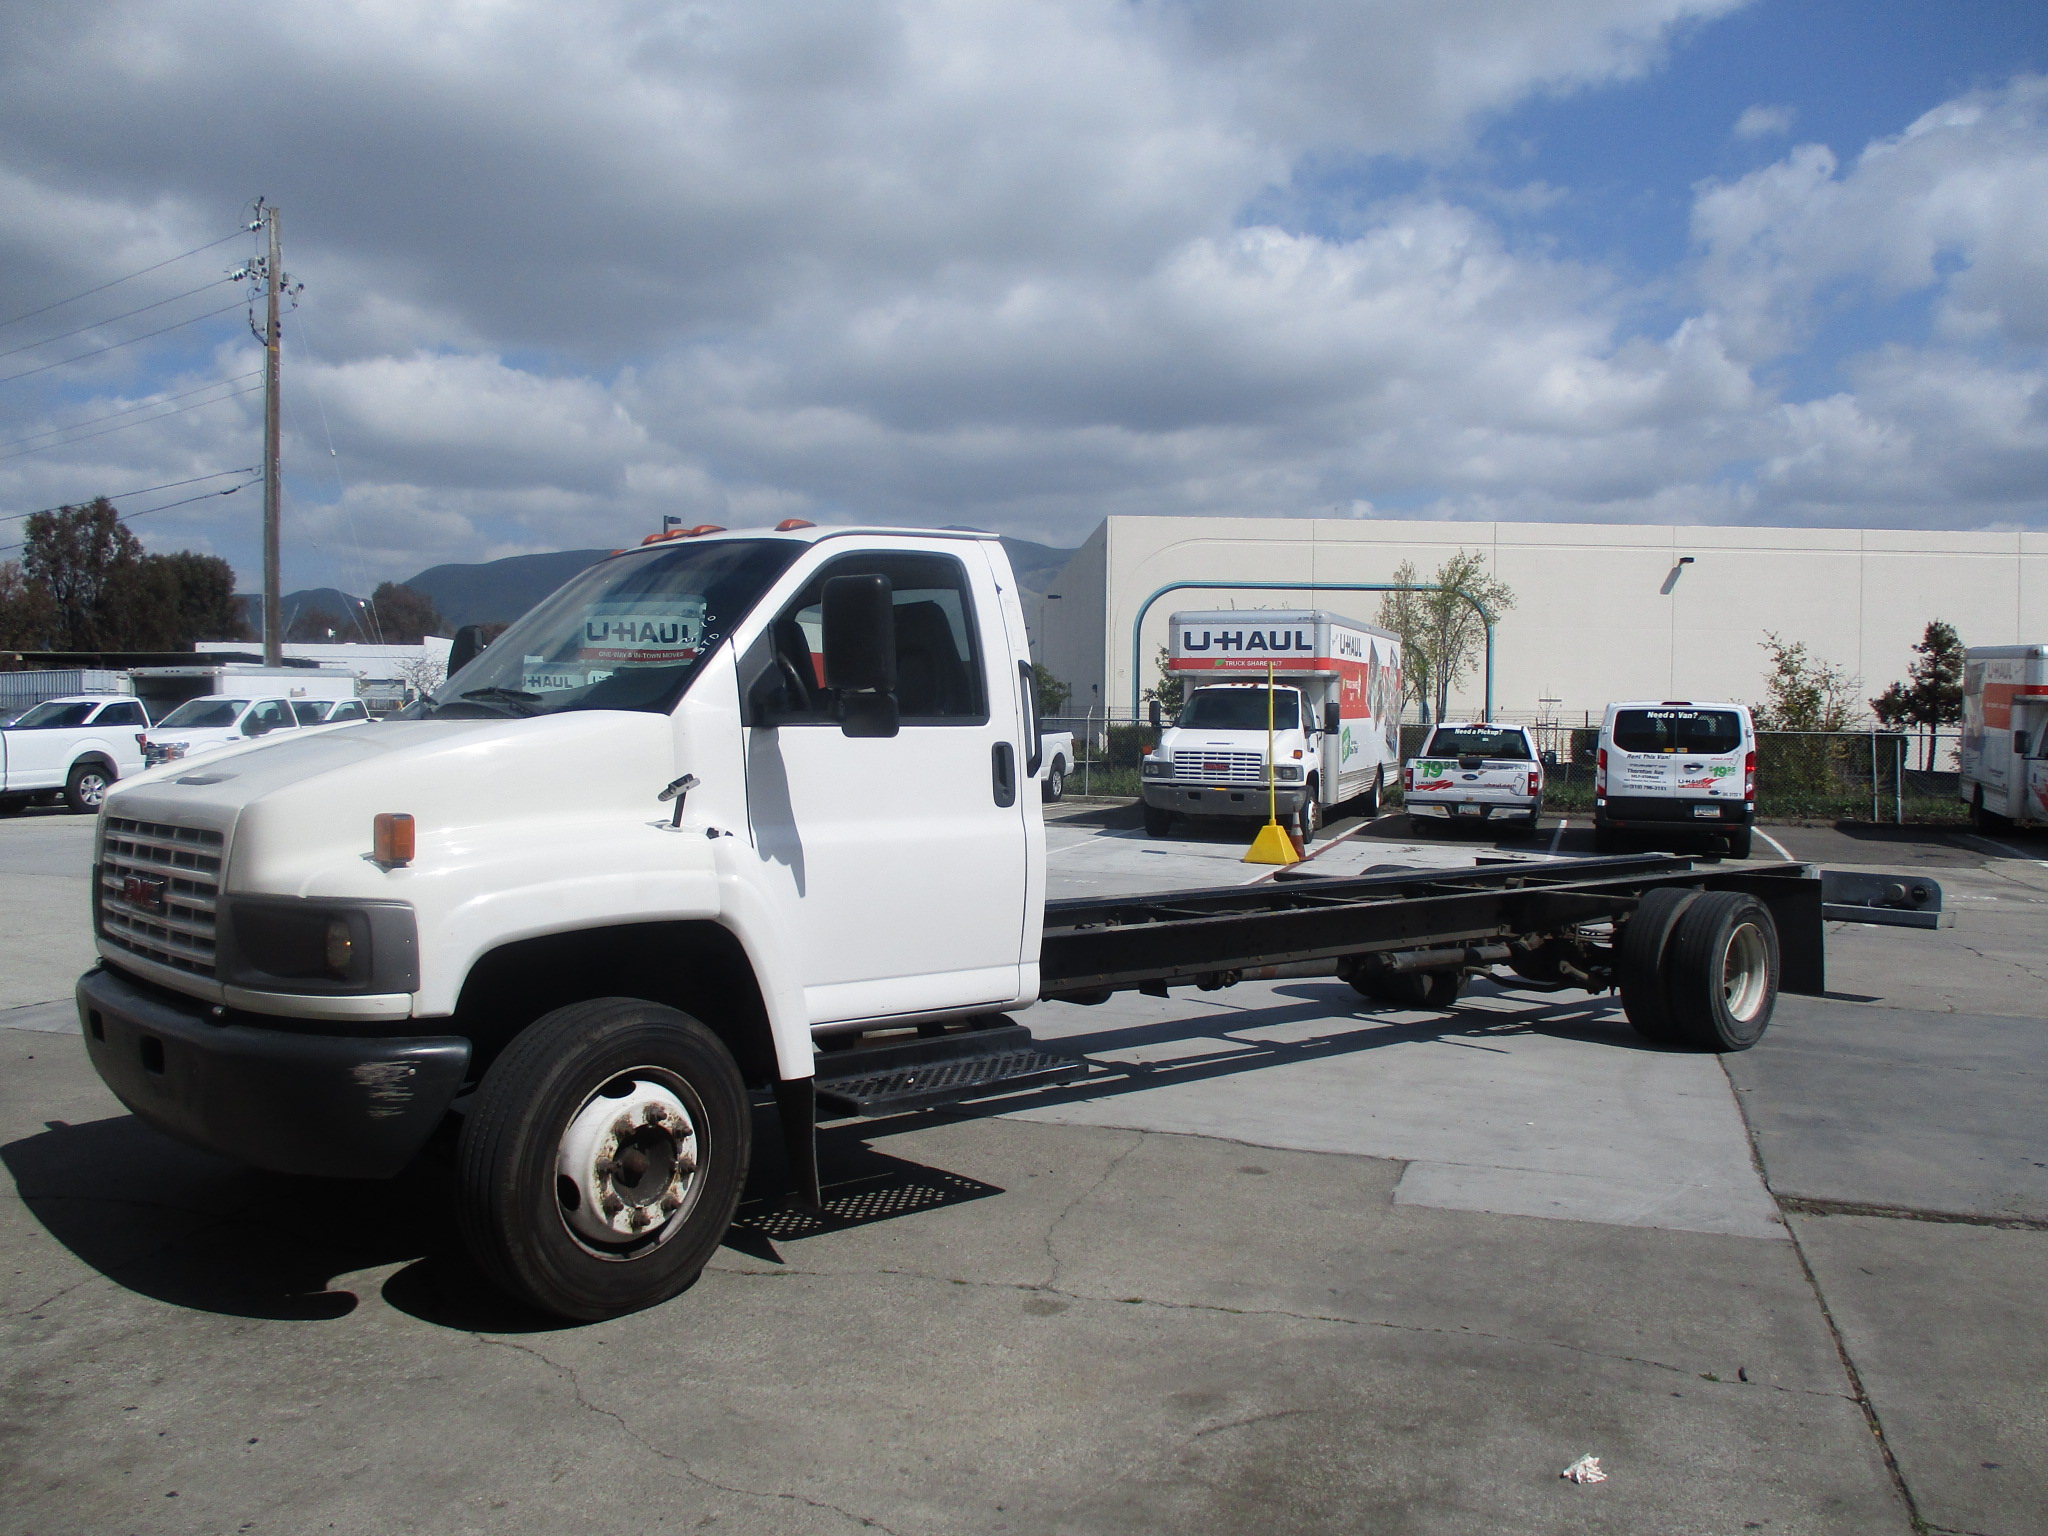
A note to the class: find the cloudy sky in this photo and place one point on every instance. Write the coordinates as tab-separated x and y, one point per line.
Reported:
1018	264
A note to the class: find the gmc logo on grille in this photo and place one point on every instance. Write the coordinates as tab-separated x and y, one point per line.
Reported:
144	891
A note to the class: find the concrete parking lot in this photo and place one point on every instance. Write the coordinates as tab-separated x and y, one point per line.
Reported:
1286	1263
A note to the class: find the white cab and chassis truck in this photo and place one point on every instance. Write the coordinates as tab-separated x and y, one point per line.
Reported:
2004	776
1335	710
739	818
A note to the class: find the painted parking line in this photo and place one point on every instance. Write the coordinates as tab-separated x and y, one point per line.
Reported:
1783	851
1557	836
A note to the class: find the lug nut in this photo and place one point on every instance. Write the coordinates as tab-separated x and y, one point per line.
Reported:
638	1219
612	1204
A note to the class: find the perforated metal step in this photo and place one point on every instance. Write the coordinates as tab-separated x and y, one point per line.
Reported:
881	1079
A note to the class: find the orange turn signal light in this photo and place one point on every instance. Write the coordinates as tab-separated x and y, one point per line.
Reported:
391	843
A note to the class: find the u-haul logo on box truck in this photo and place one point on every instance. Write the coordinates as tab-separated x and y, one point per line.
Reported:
1297	642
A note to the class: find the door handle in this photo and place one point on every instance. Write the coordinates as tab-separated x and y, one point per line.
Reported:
1003	761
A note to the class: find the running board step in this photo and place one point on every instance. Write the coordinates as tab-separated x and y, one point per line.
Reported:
882	1079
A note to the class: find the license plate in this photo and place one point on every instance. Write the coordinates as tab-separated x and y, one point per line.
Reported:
1469	810
1706	810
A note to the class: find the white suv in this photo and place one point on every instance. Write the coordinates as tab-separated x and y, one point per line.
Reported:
73	747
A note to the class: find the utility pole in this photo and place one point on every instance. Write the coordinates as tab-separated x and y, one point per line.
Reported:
273	626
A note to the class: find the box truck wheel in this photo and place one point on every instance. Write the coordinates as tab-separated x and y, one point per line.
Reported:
1369	802
87	787
1158	822
1307	819
601	1160
1980	818
1721	971
1640	963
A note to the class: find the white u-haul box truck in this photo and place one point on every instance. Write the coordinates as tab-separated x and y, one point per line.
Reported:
2005	734
1336	717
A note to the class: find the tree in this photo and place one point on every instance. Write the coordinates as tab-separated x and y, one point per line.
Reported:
1172	688
1932	694
1804	692
82	557
405	616
1052	693
1443	630
26	612
166	602
422	674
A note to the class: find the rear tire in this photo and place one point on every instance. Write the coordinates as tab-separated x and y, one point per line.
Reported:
538	1143
1157	822
86	789
1721	972
1640	967
1740	842
1054	788
1369	802
1981	819
1606	840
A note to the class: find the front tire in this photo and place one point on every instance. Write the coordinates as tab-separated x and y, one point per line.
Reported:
602	1159
86	789
1310	817
1158	822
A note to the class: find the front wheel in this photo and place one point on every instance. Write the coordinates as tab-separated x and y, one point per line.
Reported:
87	788
1158	822
602	1159
1309	818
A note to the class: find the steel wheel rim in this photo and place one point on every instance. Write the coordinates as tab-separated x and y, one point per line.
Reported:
630	1163
1745	973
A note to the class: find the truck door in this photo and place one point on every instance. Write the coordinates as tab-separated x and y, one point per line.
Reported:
899	862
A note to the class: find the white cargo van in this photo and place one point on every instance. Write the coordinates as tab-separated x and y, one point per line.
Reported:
1336	710
70	748
1675	765
1474	772
2005	735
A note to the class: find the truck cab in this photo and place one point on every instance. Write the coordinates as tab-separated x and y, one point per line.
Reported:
1211	762
74	748
1476	773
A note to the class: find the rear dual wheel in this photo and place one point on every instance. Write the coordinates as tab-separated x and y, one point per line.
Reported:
602	1159
1700	969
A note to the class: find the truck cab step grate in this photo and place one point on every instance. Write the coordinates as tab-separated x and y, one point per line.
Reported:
942	1069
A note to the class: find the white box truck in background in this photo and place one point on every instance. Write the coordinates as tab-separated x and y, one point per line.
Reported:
2005	735
1336	717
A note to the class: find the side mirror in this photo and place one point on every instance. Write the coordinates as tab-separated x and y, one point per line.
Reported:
1333	718
1158	716
467	646
859	622
1549	759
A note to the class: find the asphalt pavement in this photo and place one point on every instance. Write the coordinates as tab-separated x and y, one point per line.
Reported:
1288	1263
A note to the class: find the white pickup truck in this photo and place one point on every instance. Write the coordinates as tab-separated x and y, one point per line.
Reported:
1477	773
735	814
71	749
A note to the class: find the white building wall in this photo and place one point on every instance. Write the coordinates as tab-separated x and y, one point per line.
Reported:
1602	611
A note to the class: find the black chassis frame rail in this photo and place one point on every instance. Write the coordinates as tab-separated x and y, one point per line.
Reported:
1096	946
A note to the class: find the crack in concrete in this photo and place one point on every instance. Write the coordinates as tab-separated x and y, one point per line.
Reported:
1301	1317
1809	1206
583	1400
1052	1257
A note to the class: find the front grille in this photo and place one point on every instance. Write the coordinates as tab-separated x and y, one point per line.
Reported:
159	885
1220	767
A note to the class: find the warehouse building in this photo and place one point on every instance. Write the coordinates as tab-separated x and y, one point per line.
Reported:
1602	611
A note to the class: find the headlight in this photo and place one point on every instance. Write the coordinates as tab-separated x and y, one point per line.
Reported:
276	944
1287	773
1158	767
154	752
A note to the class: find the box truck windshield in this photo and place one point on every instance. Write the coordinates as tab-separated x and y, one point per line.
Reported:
1240	709
1700	732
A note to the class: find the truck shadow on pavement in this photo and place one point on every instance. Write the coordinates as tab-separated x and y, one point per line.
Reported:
191	1230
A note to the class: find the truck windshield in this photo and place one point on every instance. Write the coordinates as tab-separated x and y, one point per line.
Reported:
1240	709
629	633
52	716
200	714
1465	741
1707	732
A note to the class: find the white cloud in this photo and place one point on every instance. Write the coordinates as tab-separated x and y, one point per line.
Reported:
1761	122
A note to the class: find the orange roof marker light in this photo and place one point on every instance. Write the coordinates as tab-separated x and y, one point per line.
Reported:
391	840
791	524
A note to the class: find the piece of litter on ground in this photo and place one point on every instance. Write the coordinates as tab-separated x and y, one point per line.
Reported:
1585	1470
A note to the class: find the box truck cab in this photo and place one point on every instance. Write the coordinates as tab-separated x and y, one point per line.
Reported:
74	748
1335	708
2004	776
1477	773
1670	766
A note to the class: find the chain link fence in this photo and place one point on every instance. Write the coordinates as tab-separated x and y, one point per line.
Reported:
1876	776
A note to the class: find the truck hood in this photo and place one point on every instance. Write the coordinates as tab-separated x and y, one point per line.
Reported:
300	810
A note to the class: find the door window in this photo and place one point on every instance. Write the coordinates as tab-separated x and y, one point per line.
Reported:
121	714
270	715
938	662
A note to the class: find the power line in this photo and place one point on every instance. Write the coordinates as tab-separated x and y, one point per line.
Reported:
87	437
103	287
30	346
250	469
116	346
129	410
127	517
